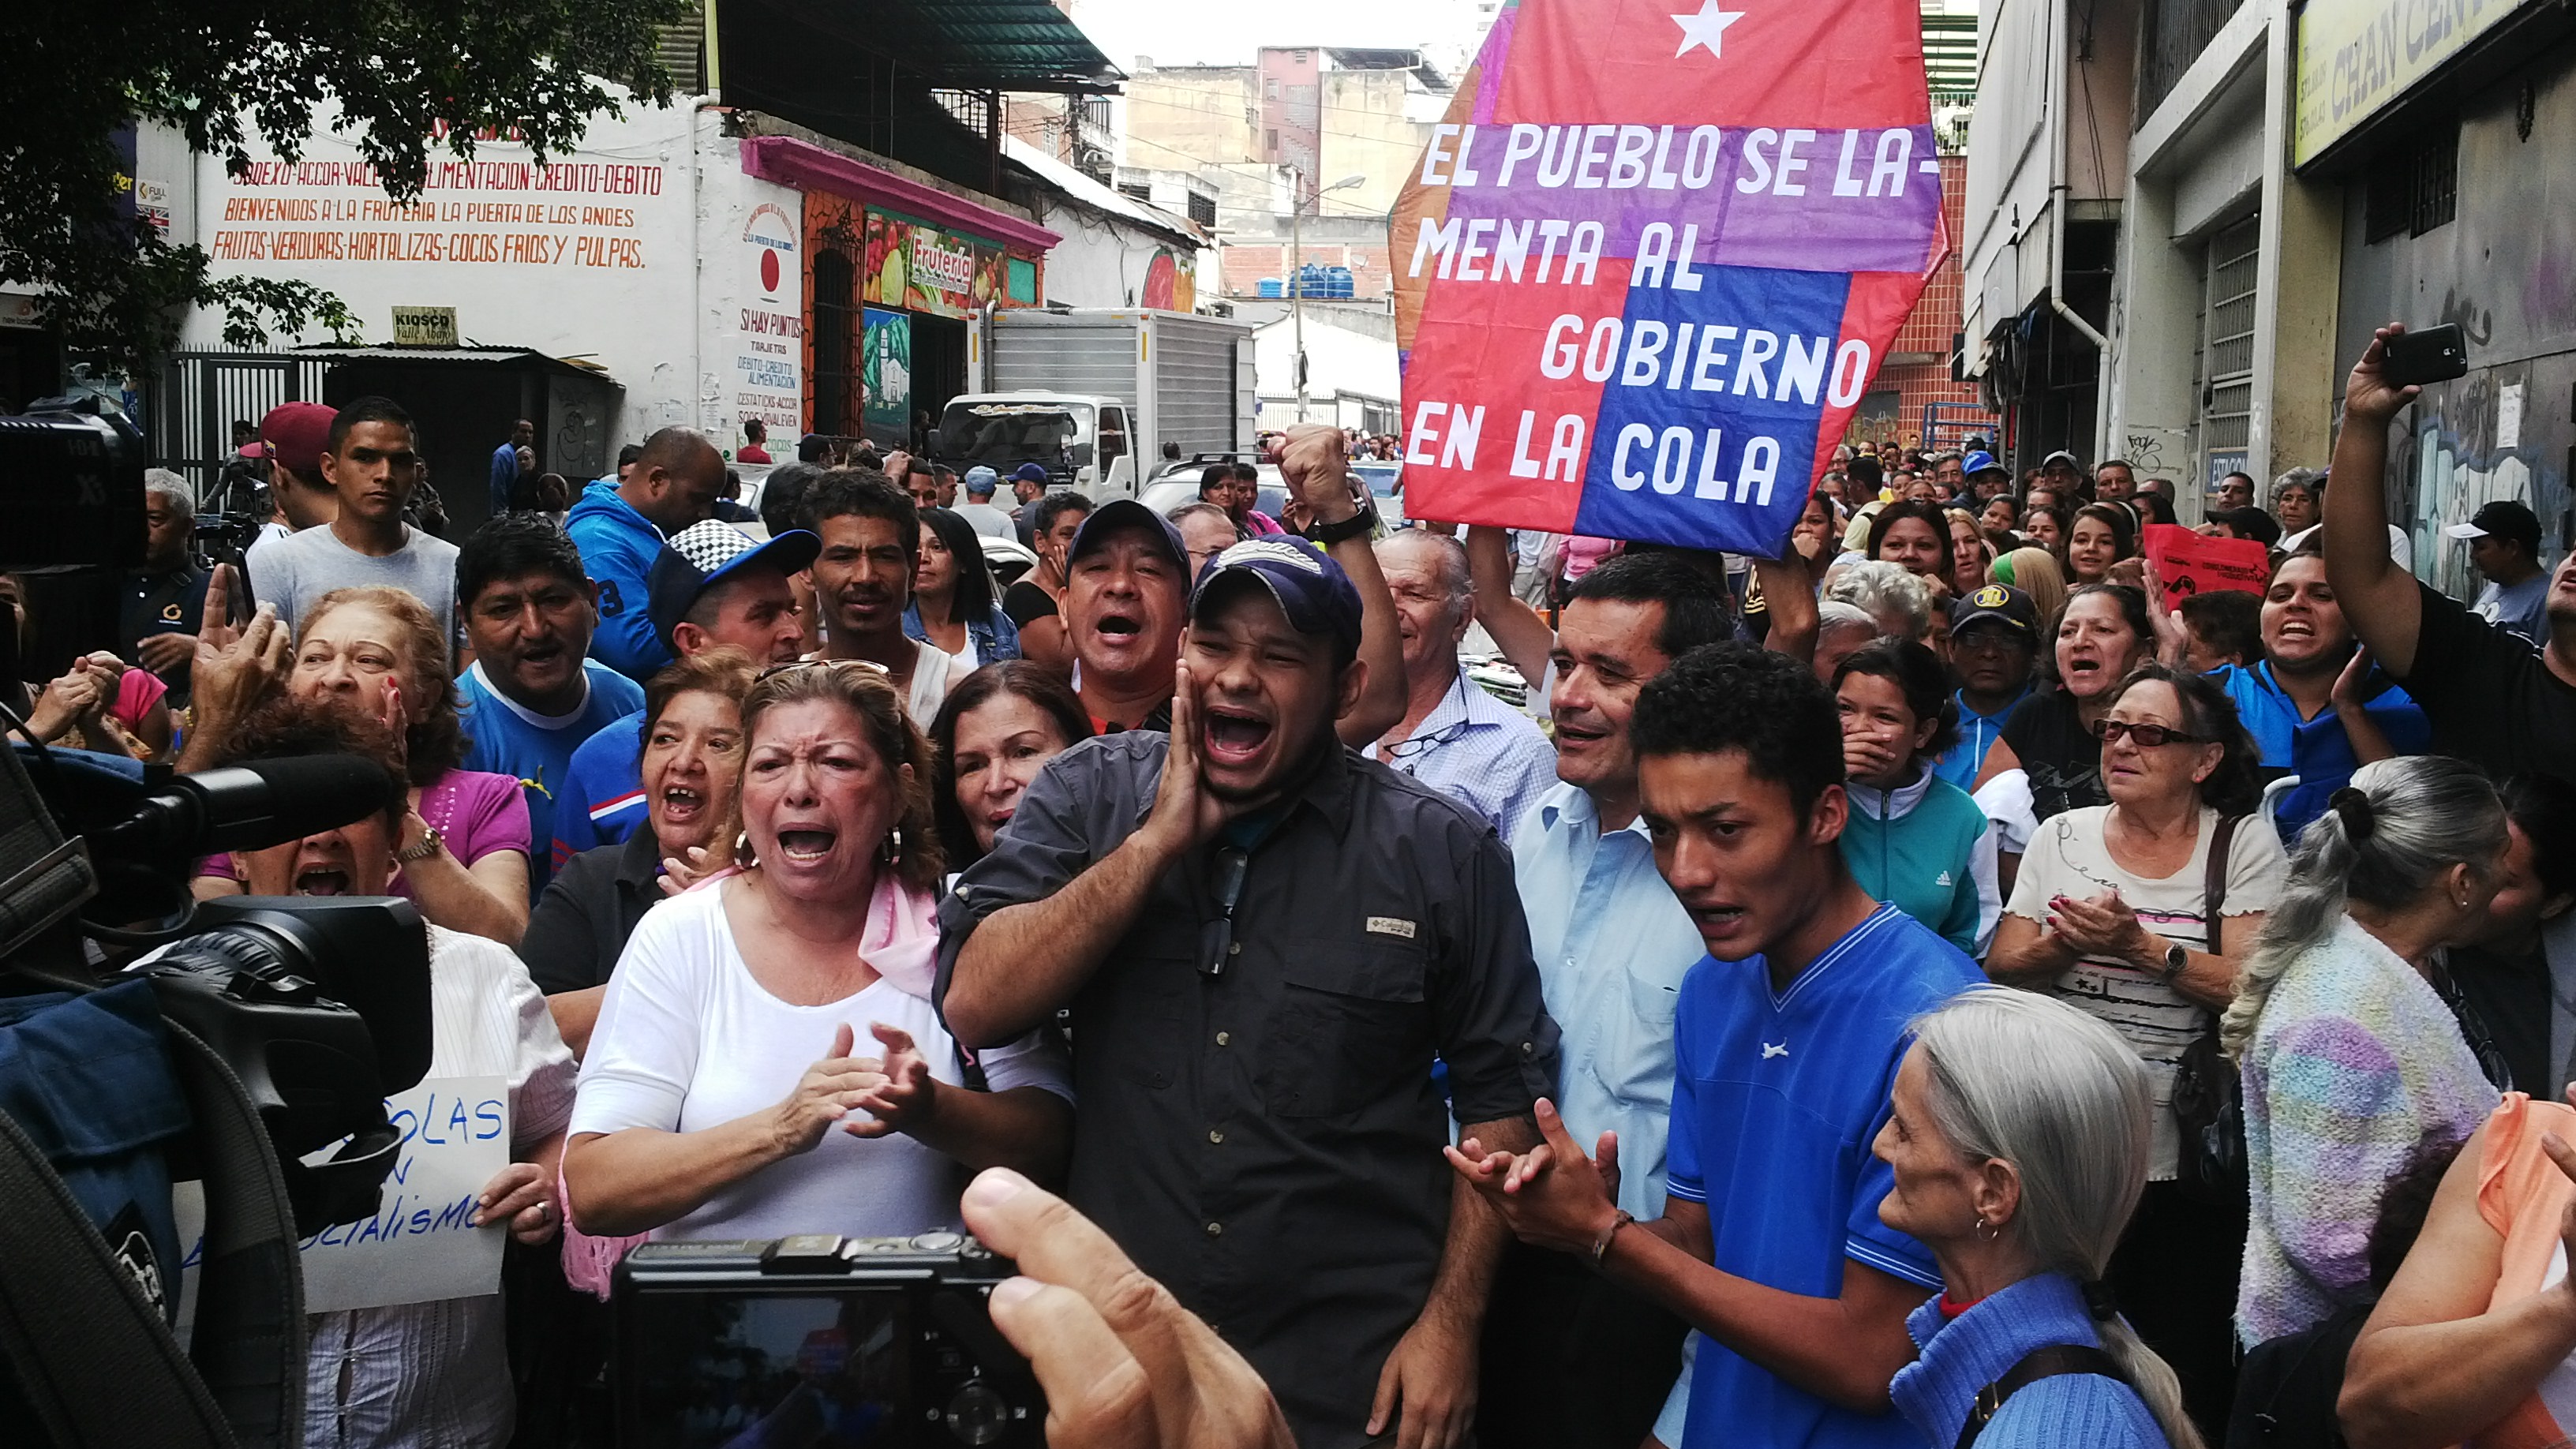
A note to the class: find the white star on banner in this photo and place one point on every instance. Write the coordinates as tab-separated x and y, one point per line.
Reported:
1707	28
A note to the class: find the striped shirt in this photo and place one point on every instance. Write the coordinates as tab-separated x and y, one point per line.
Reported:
2067	857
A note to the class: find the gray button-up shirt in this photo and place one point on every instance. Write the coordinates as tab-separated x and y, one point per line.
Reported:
1258	1126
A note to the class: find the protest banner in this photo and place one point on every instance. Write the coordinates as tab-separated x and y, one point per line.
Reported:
1650	262
422	1244
2191	563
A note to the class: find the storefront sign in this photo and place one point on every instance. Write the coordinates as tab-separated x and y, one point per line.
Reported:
769	322
1650	261
424	327
2358	56
916	266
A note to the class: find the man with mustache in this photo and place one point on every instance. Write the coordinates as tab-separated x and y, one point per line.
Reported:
871	543
533	693
1128	576
372	462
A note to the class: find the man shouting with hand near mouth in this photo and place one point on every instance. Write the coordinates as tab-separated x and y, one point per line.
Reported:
1128	575
1265	939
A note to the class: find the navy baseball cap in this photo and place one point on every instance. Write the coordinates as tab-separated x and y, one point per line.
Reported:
1312	590
2503	518
704	554
1999	603
1120	513
1030	473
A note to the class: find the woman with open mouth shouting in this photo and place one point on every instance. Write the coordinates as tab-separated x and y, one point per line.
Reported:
692	772
2103	634
724	1094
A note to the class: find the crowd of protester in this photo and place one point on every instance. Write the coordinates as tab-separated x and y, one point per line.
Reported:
1921	988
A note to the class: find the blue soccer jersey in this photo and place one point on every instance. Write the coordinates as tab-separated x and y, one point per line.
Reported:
536	750
602	802
1776	1099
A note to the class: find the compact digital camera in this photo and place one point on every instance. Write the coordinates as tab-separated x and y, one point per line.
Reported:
820	1341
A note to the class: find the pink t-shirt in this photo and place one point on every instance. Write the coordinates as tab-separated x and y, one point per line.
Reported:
137	690
475	811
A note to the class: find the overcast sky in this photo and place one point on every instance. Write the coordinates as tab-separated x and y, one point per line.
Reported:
1176	33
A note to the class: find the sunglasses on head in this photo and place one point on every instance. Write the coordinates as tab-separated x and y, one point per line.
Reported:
793	665
2147	736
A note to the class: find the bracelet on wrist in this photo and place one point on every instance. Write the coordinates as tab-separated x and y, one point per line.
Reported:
1601	1244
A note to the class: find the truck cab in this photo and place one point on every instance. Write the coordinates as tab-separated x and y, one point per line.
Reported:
1085	441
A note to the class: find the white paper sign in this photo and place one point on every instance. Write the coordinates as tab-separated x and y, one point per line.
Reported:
422	1244
2509	415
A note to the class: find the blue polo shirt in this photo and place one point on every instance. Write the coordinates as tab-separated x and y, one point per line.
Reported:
2317	750
602	801
1776	1099
536	750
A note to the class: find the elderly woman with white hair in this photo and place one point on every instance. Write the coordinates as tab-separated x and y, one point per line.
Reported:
2019	1142
1899	600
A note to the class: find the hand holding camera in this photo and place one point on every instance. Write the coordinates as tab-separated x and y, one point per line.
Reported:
1124	1365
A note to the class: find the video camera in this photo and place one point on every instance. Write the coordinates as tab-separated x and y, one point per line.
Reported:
838	1343
251	1034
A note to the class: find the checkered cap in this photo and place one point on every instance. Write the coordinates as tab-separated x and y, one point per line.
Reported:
711	545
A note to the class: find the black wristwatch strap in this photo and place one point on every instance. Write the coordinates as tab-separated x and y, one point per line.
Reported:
1358	525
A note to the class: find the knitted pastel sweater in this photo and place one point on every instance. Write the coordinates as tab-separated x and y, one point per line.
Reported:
1960	1356
2352	1064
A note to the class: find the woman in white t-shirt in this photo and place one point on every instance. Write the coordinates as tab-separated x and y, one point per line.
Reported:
2110	912
724	1095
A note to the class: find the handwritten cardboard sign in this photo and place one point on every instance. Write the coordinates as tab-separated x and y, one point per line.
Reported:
2190	563
422	1244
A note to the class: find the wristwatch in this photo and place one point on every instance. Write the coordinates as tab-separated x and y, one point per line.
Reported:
1358	525
431	843
2176	958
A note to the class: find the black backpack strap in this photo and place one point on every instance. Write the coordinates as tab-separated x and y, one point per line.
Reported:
95	1362
249	1340
2213	886
2040	1363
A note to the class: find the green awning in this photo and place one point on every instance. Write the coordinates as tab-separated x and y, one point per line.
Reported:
1004	45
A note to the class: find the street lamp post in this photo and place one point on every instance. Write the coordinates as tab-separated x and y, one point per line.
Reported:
1296	268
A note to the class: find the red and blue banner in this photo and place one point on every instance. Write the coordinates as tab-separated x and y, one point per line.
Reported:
1652	258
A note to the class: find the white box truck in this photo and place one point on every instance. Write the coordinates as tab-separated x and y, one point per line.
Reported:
1093	395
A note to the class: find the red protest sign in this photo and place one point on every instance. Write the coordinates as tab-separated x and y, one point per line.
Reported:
2191	563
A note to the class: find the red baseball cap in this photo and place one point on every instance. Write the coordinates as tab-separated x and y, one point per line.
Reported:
297	434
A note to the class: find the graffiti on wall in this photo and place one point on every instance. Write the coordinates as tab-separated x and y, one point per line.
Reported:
2483	438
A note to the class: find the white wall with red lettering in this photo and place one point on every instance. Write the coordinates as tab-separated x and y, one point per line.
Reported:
640	251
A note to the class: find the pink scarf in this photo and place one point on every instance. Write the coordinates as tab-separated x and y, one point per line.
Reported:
901	939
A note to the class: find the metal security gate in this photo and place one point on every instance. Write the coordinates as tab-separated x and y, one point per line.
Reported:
2227	352
189	419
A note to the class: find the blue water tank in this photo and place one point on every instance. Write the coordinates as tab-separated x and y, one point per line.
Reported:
1340	282
1272	288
